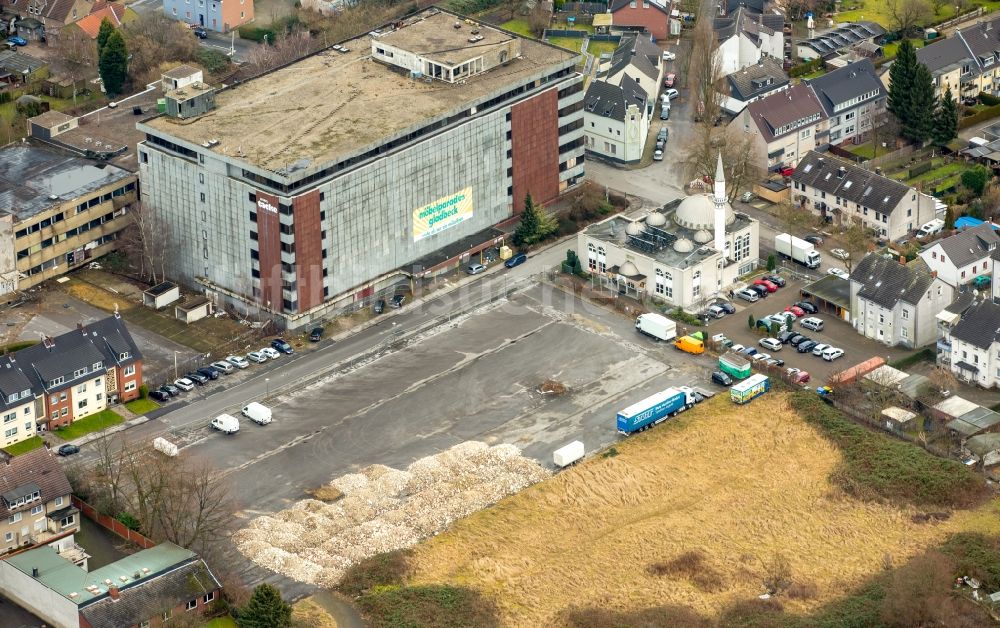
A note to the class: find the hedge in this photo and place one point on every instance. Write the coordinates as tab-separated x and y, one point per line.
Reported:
988	99
979	116
919	169
806	68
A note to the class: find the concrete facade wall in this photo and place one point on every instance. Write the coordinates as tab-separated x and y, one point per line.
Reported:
904	324
617	140
33	596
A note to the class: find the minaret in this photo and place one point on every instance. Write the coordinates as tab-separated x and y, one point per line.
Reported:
720	207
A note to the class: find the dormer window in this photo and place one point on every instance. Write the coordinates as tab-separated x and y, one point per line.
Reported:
124	355
56	381
79	373
97	366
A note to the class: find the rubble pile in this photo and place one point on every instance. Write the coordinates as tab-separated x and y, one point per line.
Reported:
385	509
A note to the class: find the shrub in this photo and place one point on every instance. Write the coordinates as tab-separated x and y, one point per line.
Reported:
988	99
673	616
256	33
924	355
979	116
427	606
752	612
390	568
877	466
805	68
976	555
143	391
691	566
681	316
129	521
213	60
920	169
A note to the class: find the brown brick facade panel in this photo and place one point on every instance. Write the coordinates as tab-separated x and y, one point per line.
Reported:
534	129
269	246
308	250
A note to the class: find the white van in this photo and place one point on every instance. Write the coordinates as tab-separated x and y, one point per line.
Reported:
226	423
258	413
813	323
933	227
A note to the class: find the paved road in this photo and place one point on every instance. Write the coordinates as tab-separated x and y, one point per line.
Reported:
215	41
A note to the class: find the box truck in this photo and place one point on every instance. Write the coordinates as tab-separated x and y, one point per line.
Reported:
797	250
735	365
655	408
750	388
568	454
257	412
656	326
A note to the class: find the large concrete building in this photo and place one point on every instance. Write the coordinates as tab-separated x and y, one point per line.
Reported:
313	187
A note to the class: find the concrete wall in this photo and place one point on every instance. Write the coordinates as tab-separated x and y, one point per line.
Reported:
31	595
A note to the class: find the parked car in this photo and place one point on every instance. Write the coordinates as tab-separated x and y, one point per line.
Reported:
761	291
159	395
748	351
475	269
197	378
748	295
798	339
981	281
808	307
715	311
517	260
68	450
737	348
282	345
728	307
805	346
801	377
208	372
201	33
397	300
722	379
270	352
813	239
777	280
832	353
760	357
665	111
657	155
786	171
663	134
257	356
669	80
767	284
170	389
668	56
316	334
746	197
838	272
770	343
819	349
774	362
238	362
785	336
379	306
184	384
223	366
840	254
17	41
671	93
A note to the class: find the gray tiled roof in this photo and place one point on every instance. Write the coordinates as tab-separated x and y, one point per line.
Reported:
944	54
886	282
846	83
786	107
13	381
38	467
149	598
637	51
980	325
753	5
612	101
983	40
621	4
962	301
845	180
970	245
757	79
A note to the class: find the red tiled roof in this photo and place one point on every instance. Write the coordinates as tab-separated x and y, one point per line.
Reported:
92	23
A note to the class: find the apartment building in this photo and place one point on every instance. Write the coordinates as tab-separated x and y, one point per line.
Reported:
217	15
785	126
829	186
960	258
973	343
853	98
967	62
35	504
62	210
747	35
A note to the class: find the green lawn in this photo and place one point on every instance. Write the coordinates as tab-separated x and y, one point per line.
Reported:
891	49
597	48
519	26
142	406
937	173
93	423
222	622
569	43
24	446
875	11
865	150
816	74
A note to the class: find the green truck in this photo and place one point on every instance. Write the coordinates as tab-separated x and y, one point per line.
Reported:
736	365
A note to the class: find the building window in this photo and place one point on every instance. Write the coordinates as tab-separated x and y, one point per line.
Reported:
129	370
64	412
80	405
82	388
37	510
208	597
167	614
66	522
592	257
59	501
191	605
8	537
11	432
602	260
905	334
906	314
14	518
129	387
696	284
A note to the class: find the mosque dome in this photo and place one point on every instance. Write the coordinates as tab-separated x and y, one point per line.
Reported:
628	269
633	228
702	236
683	245
698	212
656	219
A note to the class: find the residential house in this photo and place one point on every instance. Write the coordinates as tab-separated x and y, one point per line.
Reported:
65	209
949	62
753	83
946	321
854	100
150	587
616	120
218	15
43	19
115	12
35	504
967	62
836	40
829	186
639	59
648	14
896	303
746	36
960	258
17	68
785	126
975	344
82	371
17	403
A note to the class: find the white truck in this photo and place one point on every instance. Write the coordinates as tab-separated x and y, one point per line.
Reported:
797	250
257	412
568	454
656	326
226	423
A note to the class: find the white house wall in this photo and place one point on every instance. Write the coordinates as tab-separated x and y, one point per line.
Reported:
37	598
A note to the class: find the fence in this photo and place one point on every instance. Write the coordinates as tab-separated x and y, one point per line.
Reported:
109	523
563	33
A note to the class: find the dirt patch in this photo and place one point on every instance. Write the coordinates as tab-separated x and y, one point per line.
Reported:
552	387
327	493
740	488
308	614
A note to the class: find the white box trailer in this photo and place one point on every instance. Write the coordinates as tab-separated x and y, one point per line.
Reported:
568	454
656	326
163	445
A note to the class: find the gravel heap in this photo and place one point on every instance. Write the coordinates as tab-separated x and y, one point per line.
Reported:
385	509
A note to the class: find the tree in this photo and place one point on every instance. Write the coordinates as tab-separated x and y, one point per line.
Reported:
512	7
772	262
157	43
266	609
884	130
938	5
919	122
113	64
775	329
536	224
975	178
539	19
901	74
945	120
147	241
750	321
102	34
856	240
906	15
793	216
705	75
739	159
76	57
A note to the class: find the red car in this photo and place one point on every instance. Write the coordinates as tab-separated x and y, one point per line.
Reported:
767	284
786	171
796	310
669	81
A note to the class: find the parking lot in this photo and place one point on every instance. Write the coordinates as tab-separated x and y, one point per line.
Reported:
836	332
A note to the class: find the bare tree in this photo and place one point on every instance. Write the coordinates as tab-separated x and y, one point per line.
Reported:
705	70
906	15
153	40
794	217
938	5
76	57
798	8
738	156
539	19
513	7
147	241
883	128
199	507
856	241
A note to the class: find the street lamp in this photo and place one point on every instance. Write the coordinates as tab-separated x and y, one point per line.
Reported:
175	364
267	387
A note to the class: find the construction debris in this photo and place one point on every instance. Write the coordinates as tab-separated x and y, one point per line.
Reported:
384	509
552	387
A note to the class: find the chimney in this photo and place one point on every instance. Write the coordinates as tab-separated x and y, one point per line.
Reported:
47	342
34	572
113	592
902	260
841	171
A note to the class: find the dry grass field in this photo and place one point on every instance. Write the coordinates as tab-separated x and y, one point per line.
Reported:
693	513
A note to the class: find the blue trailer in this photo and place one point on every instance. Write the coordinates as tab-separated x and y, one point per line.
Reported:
651	410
